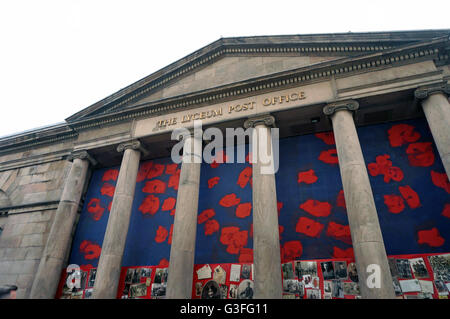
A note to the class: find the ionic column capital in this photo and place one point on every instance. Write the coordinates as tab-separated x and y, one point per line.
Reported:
349	105
83	155
266	119
424	92
134	145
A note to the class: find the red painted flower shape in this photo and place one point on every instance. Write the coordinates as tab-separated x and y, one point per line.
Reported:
411	197
245	176
155	171
279	207
110	175
144	168
211	226
169	241
154	187
340	201
326	137
383	166
308	227
430	237
440	180
246	255
108	190
171	169
291	250
163	263
205	215
401	134
340	232
229	200
174	180
446	211
161	234
90	249
213	181
234	239
168	204
316	208
343	253
394	203
243	210
420	154
95	209
329	157
150	205
307	177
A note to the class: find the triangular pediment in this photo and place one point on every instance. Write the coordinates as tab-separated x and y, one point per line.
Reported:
236	60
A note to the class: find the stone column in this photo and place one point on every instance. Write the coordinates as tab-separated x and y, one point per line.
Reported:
362	215
59	240
436	107
266	239
110	263
182	251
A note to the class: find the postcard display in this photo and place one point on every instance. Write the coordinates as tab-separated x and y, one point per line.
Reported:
411	193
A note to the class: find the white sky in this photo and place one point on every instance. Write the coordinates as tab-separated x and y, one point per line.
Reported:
58	57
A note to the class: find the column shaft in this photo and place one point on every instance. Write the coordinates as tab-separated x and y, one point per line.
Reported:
365	230
182	252
59	240
437	112
266	239
110	263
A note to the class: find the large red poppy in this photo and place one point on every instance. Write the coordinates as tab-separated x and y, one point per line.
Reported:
110	175
329	157
308	227
307	177
340	232
229	200
150	205
243	210
90	249
401	134
161	234
430	237
316	208
394	203
411	197
95	209
245	176
154	187
420	154
108	190
326	137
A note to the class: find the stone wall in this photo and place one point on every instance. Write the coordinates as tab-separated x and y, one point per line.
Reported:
30	197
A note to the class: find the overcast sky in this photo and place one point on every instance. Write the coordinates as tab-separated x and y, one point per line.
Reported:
58	57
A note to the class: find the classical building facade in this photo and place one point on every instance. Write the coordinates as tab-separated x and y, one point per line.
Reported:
359	205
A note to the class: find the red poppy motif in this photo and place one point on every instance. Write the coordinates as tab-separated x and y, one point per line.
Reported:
316	208
172	212
90	249
446	211
155	171
171	169
168	204
394	203
220	158
95	209
205	215
440	180
109	206
213	181
291	250
308	227
279	207
383	166
420	154
343	253
163	263
110	175
211	226
108	190
401	134
150	205
169	241
326	137
229	200
430	237
280	230
340	232
174	180
246	255
329	157
307	177
411	197
233	238
161	234
340	201
143	171
154	187
243	210
245	176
